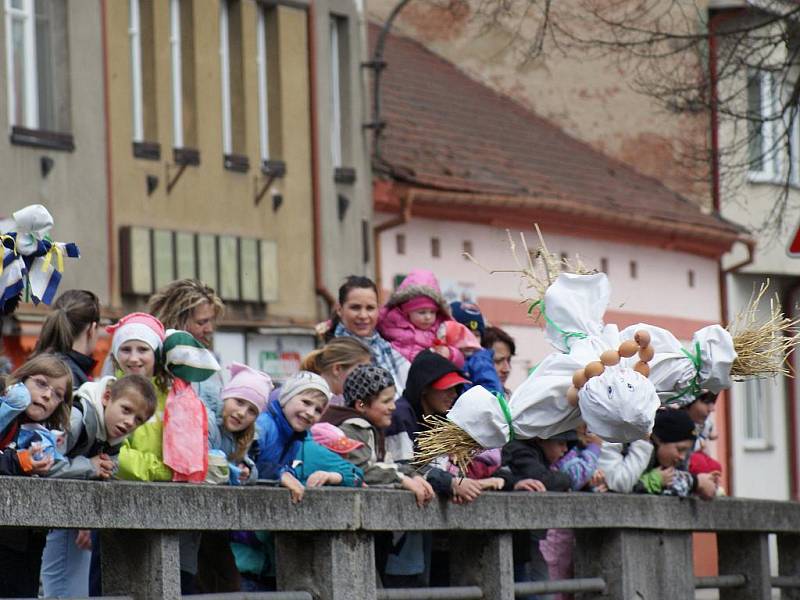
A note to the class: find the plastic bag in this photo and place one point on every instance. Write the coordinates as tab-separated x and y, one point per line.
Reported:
185	434
53	442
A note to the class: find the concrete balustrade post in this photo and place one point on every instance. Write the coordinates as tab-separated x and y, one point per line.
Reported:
745	553
329	565
636	563
143	564
484	559
789	562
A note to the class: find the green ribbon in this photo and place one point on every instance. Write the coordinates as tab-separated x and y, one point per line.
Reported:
694	386
501	399
566	335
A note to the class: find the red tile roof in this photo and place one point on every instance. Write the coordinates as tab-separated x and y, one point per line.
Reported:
449	132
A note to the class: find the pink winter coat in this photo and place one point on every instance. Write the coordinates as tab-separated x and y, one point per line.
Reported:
395	327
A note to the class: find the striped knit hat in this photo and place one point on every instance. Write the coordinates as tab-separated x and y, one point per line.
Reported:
186	358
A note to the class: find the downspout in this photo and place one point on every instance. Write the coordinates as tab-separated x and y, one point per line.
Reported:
791	408
112	248
403	217
319	286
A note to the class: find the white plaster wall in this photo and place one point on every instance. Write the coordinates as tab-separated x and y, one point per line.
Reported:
661	287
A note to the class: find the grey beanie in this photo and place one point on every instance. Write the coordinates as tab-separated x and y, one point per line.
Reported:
301	382
365	382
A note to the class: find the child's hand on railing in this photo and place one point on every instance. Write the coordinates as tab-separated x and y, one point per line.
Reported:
103	466
320	478
35	466
244	472
465	490
423	492
529	485
295	488
707	485
598	482
667	476
492	483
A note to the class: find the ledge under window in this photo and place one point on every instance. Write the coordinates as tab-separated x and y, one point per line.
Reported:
39	138
147	150
186	156
344	175
273	168
236	162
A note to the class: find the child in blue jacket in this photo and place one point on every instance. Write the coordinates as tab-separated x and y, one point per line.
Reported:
283	428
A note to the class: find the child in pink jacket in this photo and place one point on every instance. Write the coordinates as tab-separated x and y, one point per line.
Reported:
410	319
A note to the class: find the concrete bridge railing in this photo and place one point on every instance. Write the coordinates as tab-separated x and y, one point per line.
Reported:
628	546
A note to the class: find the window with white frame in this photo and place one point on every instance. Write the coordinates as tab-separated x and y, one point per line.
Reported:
184	109
262	66
755	414
338	36
37	64
231	76
176	71
135	34
764	128
143	95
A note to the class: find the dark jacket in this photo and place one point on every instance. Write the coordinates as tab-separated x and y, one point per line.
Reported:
407	418
524	459
80	365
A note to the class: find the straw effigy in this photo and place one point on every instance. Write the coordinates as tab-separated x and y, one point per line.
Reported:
763	347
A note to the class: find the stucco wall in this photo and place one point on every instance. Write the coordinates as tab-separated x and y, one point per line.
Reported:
342	239
209	198
75	189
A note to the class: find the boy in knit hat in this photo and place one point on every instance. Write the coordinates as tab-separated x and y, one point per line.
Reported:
283	427
674	435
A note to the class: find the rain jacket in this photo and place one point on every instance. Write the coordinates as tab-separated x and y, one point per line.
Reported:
141	456
316	457
276	444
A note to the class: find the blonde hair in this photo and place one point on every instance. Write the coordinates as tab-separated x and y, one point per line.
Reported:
173	304
48	365
345	351
243	440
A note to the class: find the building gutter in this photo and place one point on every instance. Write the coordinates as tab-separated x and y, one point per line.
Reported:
112	248
319	286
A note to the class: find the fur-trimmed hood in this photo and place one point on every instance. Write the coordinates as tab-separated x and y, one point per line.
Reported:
419	282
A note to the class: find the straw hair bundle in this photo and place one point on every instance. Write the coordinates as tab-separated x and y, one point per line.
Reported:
537	268
763	347
445	438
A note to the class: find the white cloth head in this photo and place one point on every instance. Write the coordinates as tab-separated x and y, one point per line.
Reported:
575	304
674	371
619	405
